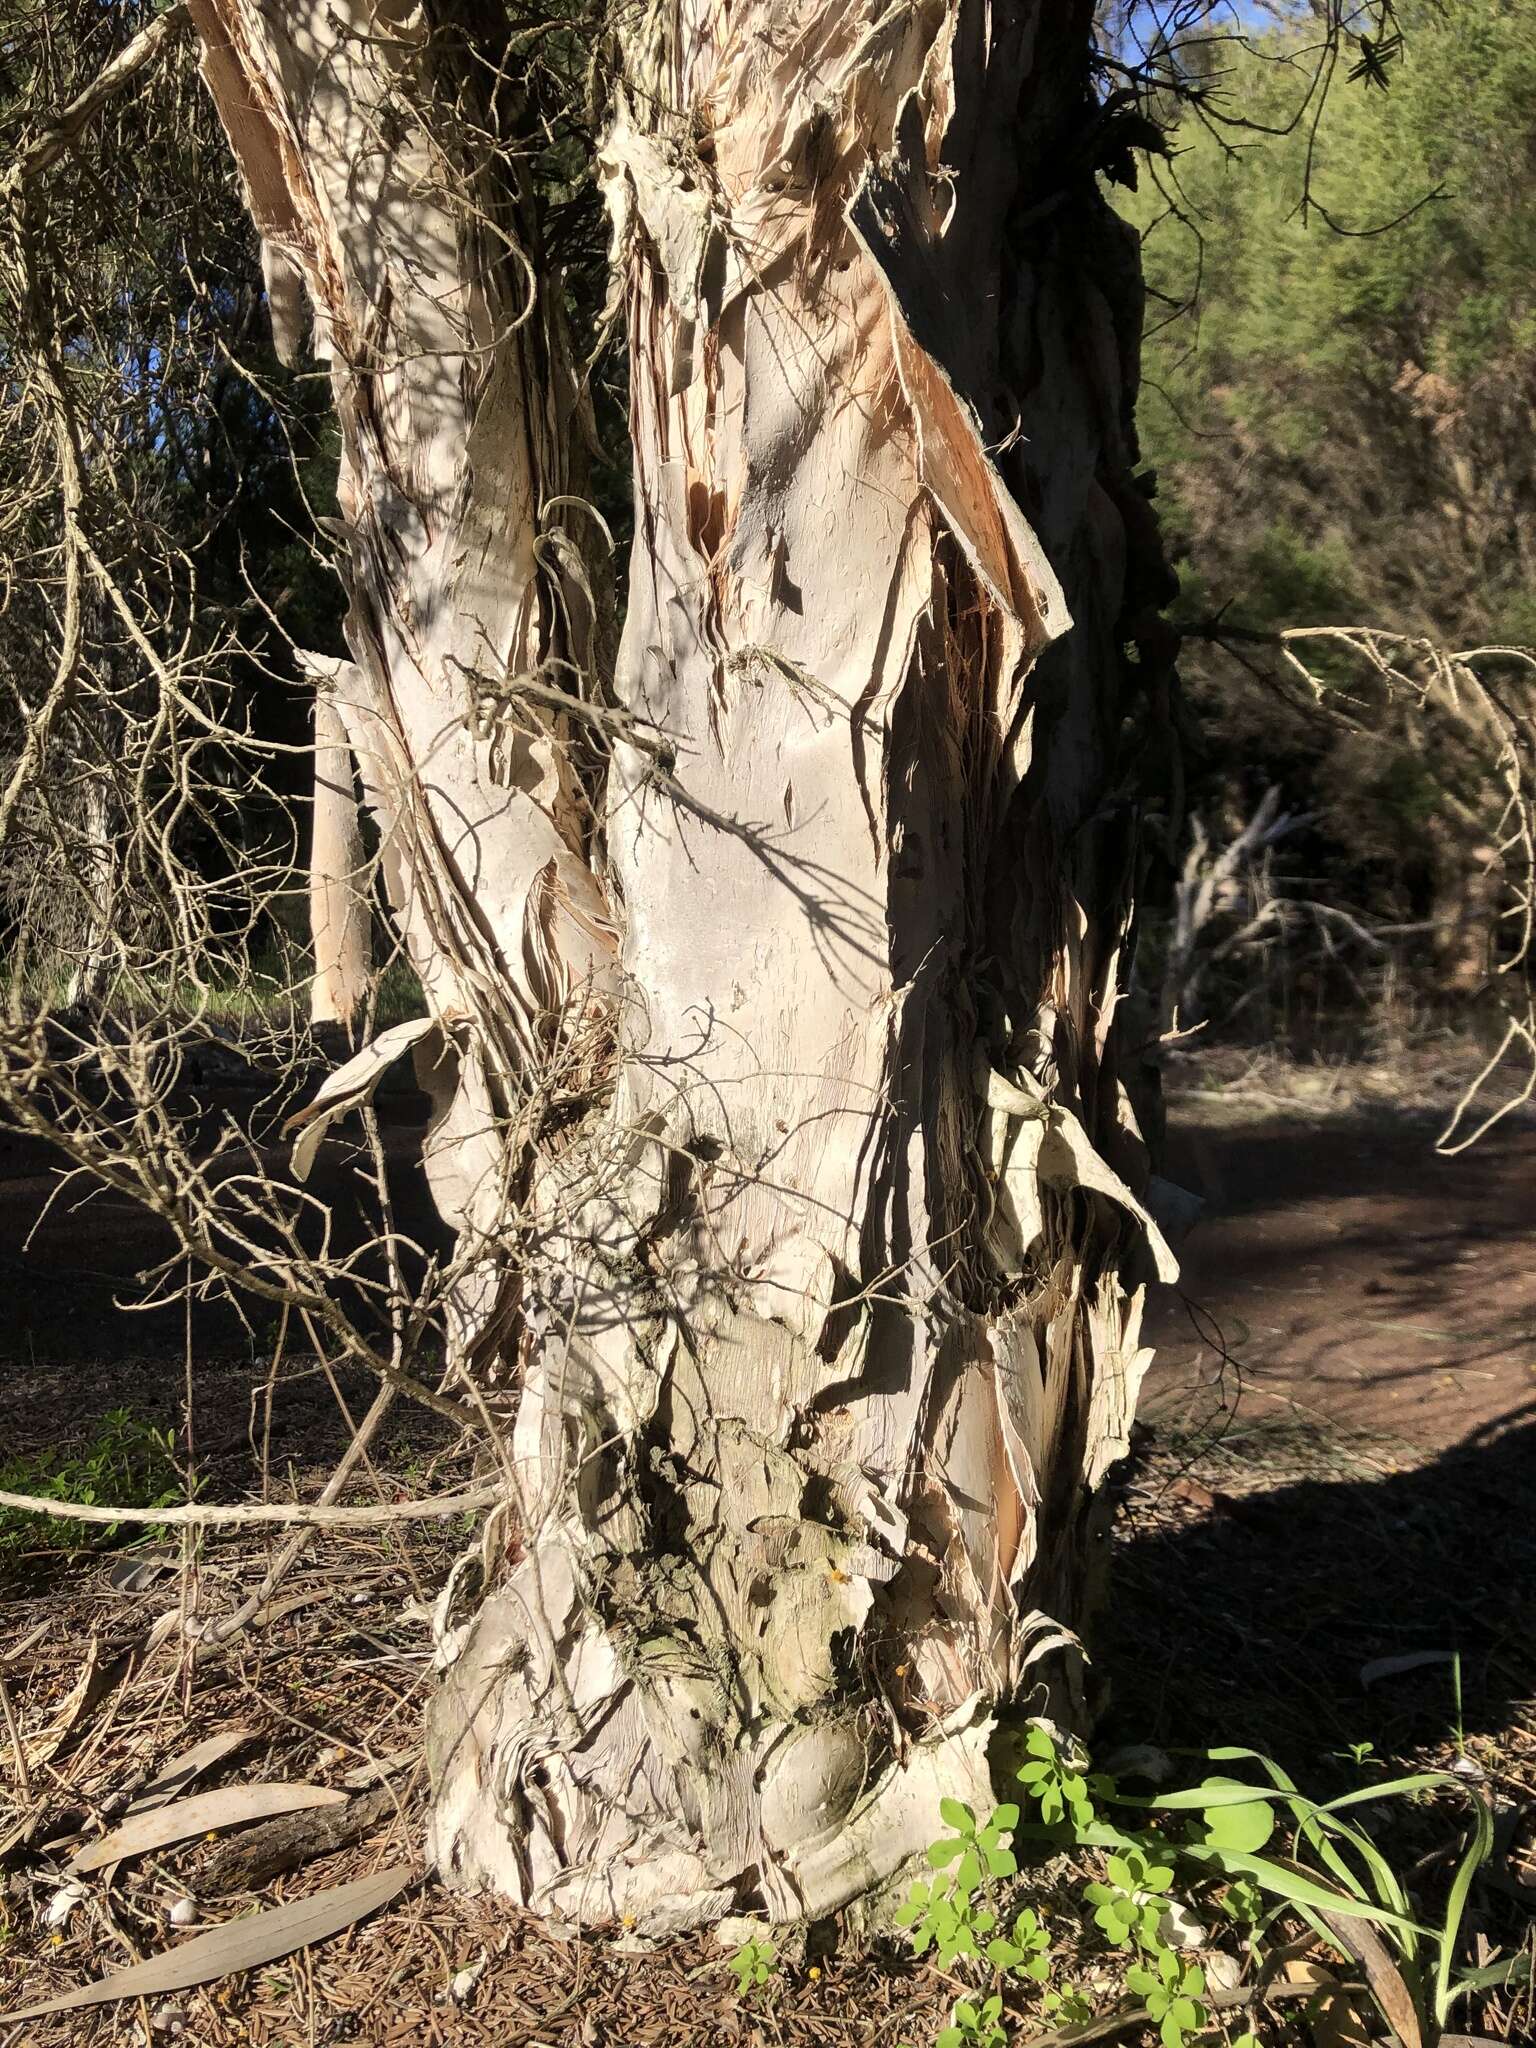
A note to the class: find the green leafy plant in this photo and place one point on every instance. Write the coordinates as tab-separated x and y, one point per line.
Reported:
1129	1908
1026	1952
1360	1753
941	1918
128	1463
975	2026
975	1848
1067	2006
754	1965
1332	1871
1171	1990
1058	1784
1242	1901
1212	1838
942	1913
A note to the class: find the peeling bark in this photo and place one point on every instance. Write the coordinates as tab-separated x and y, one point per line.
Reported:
417	252
840	1295
339	920
829	1277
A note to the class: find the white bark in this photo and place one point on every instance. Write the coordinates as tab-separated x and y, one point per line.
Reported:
457	419
841	1305
828	1308
96	880
339	921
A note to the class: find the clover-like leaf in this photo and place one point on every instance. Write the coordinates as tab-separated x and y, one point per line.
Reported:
1241	1828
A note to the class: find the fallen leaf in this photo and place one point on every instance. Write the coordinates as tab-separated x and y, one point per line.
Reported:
62	1904
242	1944
83	1694
1192	1490
1338	2018
203	1813
1359	1939
174	1778
136	1574
387	1766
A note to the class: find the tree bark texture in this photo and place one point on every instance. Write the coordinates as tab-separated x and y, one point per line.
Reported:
778	1107
339	917
379	153
840	1299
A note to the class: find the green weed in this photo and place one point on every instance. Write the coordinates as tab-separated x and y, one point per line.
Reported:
128	1463
1244	1844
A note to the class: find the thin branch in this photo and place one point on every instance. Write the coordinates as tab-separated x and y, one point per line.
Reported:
66	127
192	1516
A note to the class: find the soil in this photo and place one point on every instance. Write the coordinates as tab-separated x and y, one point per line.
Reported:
1346	1271
1340	1471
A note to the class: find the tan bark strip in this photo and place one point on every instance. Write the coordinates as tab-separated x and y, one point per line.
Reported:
338	880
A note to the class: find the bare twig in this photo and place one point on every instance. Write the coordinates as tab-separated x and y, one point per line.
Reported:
193	1516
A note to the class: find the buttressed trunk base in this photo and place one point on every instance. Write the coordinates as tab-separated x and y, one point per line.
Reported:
833	1303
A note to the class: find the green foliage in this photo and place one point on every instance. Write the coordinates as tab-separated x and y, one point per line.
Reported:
974	1848
1067	2007
943	1913
128	1463
1171	1990
1026	1951
1129	1908
754	1964
1337	396
1202	1842
1053	1779
975	2026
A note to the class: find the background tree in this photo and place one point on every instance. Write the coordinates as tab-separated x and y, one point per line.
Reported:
1339	408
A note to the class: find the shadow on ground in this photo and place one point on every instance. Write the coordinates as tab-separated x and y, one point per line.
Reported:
1248	1616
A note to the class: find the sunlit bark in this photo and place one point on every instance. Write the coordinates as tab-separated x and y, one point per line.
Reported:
390	208
842	1299
338	878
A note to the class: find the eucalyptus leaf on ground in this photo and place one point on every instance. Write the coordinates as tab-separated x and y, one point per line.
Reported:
200	1814
238	1945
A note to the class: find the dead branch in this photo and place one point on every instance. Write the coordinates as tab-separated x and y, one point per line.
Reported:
282	1513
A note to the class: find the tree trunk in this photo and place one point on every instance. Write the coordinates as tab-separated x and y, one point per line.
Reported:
839	1295
339	920
383	157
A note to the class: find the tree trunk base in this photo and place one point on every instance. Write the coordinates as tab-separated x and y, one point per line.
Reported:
593	1781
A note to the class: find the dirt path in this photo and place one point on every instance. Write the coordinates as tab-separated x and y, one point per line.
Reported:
1349	1272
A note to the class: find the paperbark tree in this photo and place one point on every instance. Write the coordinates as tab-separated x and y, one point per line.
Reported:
779	1106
